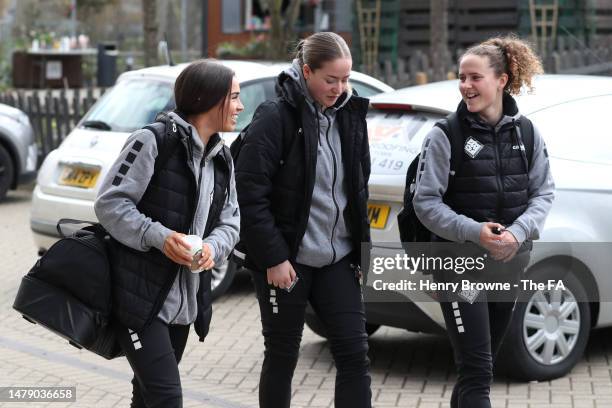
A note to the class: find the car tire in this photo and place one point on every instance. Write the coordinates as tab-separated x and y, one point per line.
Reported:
6	172
316	325
533	349
222	278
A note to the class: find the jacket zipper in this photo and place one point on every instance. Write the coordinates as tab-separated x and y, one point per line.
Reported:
181	269
498	177
335	175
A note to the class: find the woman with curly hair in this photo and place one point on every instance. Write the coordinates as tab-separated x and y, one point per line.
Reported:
495	200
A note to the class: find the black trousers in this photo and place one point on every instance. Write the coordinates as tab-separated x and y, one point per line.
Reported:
335	294
154	355
476	330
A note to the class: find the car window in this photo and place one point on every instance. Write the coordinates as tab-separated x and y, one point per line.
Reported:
363	89
573	139
251	95
396	138
132	103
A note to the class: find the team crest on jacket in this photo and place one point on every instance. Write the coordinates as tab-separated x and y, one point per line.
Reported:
472	147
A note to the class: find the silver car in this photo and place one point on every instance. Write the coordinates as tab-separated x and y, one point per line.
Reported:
550	328
18	150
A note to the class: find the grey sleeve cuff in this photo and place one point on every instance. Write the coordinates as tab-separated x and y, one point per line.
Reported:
518	232
213	250
472	231
156	235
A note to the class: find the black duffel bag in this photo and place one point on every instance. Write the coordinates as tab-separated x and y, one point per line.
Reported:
68	290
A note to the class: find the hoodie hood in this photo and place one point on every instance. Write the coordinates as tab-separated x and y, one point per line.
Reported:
292	86
510	113
215	143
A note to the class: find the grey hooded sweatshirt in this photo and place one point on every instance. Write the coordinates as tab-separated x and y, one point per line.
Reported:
443	221
116	209
327	239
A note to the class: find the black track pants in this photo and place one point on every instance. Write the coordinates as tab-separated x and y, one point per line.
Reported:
335	294
154	355
476	331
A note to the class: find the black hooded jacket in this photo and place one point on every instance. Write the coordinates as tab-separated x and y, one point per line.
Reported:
275	174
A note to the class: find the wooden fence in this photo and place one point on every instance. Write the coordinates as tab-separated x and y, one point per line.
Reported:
570	57
53	114
574	57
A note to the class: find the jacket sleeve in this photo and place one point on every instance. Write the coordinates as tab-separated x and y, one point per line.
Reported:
541	194
432	182
122	189
257	164
225	235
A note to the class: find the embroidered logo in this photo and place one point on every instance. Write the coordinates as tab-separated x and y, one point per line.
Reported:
473	147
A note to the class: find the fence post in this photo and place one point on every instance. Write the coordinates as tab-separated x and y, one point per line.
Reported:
402	75
48	122
65	113
38	123
89	100
76	107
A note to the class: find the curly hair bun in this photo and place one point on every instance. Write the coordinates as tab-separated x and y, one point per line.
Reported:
512	56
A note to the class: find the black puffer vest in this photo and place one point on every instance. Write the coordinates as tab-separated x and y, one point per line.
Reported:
492	182
142	280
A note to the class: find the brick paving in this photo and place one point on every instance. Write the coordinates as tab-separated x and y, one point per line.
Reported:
408	370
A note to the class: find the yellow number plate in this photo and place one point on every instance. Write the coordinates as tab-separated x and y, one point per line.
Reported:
79	177
378	215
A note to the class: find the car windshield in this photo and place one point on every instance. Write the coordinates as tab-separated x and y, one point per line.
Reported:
131	104
396	138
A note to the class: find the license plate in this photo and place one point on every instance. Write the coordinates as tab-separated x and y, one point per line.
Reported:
79	177
378	215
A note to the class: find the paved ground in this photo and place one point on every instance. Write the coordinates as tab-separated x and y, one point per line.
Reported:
408	370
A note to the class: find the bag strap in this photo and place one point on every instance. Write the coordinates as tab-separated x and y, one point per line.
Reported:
64	221
236	145
285	126
527	136
452	129
288	130
166	146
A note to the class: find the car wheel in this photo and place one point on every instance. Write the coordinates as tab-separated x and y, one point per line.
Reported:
6	172
316	325
549	330
222	278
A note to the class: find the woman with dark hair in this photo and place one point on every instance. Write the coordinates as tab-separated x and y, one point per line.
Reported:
301	177
172	178
497	203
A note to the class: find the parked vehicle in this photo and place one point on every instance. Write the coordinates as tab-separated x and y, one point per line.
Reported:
69	177
18	150
550	329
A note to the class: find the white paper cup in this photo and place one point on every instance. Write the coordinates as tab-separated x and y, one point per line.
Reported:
195	242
